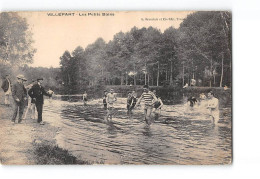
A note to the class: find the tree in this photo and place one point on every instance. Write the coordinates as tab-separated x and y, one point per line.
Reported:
15	39
169	51
65	71
203	41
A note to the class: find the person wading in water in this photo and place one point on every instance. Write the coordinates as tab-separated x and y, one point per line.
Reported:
149	99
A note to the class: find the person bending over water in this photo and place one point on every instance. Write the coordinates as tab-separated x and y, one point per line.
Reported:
157	105
149	99
213	106
192	101
134	100
111	98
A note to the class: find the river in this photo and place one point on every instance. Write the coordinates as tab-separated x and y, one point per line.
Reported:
180	135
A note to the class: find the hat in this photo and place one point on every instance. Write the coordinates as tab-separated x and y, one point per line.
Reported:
21	77
39	79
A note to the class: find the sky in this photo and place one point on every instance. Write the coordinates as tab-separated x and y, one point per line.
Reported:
53	35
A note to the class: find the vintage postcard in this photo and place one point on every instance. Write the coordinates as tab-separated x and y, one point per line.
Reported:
111	87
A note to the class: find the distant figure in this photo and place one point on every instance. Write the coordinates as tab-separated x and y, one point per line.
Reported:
213	106
51	93
186	85
192	101
105	99
84	98
19	94
202	101
111	98
149	99
6	86
31	102
37	92
203	96
193	82
225	87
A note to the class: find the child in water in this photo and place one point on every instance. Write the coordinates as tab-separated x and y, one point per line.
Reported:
111	98
84	98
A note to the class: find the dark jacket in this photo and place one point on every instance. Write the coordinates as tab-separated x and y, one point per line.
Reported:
5	85
19	91
37	92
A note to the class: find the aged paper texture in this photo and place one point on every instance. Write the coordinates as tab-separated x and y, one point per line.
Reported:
111	87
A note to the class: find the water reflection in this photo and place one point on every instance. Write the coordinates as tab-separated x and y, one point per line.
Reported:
176	137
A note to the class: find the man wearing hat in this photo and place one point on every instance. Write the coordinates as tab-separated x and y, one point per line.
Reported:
6	86
36	93
19	94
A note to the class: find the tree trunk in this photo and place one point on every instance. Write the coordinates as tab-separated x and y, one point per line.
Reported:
214	79
211	72
126	79
134	75
171	80
158	75
222	71
122	80
183	75
166	75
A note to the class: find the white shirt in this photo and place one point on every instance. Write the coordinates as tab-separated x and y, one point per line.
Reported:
213	103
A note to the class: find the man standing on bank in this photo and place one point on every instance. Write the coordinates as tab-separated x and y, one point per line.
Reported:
6	86
36	93
19	94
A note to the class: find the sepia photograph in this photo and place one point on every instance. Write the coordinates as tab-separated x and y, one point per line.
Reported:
116	88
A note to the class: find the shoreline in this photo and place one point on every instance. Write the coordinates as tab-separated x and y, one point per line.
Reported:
29	143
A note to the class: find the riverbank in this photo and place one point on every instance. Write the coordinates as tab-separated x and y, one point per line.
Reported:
29	143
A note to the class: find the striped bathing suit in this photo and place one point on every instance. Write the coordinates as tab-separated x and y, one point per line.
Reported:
148	98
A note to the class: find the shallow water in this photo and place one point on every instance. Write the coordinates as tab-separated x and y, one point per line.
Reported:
180	135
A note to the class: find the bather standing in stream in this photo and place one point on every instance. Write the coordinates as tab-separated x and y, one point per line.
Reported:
213	106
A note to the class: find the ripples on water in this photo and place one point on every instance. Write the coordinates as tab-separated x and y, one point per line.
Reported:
177	137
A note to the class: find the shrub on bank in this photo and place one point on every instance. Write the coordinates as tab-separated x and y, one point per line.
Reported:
53	155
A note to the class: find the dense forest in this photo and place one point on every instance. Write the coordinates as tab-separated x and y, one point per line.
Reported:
200	49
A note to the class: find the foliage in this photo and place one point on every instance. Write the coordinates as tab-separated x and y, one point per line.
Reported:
15	39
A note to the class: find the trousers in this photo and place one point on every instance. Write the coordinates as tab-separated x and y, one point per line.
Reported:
18	106
39	107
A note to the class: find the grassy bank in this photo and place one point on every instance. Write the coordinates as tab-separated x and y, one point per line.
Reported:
37	143
54	155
